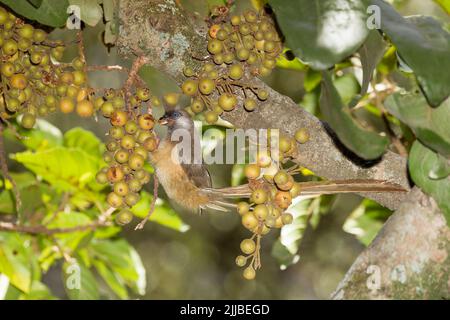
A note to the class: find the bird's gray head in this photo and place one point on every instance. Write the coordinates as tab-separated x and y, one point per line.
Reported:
177	119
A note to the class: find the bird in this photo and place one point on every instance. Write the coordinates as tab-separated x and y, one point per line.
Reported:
189	184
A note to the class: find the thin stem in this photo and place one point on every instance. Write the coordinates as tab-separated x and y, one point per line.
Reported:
141	225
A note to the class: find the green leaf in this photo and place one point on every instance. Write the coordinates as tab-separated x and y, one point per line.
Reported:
366	144
424	46
6	203
114	253
32	194
68	220
90	11
322	33
347	87
441	169
371	53
237	175
312	80
51	13
111	279
39	291
285	249
65	169
15	260
43	136
79	282
109	9
293	64
163	213
445	5
35	3
291	235
123	260
366	221
430	125
421	162
78	138
110	32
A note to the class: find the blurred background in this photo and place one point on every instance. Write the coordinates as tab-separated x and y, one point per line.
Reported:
199	263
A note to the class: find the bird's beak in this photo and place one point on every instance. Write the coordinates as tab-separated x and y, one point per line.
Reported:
164	120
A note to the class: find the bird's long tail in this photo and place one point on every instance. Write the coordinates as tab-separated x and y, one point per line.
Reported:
316	188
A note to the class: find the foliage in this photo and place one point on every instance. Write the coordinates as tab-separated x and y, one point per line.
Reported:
60	165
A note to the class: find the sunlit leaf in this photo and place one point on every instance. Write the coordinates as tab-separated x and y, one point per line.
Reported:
38	291
65	169
43	136
285	249
163	213
292	64
111	279
312	80
237	175
15	260
445	5
366	221
78	138
123	260
69	220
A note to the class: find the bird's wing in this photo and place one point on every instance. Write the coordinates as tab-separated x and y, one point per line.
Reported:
198	174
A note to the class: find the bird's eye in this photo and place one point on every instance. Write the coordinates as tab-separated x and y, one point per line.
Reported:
177	114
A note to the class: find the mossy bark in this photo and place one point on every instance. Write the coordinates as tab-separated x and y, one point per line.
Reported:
409	259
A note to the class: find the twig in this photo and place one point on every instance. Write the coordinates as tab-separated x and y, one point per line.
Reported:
5	171
379	97
35	230
107	68
67	257
80	42
106	214
132	77
141	225
64	201
13	129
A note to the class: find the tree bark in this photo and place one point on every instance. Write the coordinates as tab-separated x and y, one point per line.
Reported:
172	39
407	260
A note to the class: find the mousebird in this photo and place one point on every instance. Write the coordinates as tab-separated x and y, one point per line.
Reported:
189	184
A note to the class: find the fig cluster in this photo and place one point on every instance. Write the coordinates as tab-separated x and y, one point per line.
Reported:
273	189
246	45
130	139
33	81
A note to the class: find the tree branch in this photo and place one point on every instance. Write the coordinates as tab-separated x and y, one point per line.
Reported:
102	221
407	260
165	34
40	229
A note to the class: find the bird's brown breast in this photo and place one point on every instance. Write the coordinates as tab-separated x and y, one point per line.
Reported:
175	180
